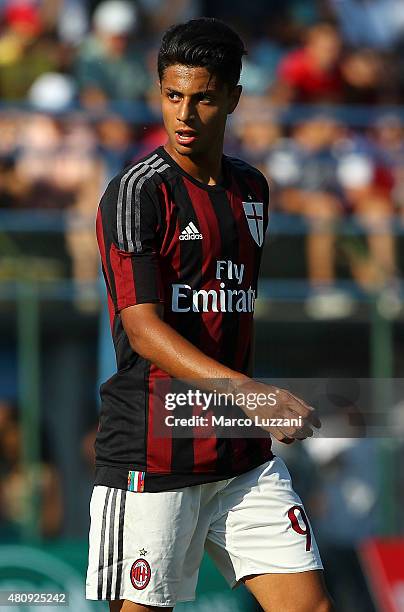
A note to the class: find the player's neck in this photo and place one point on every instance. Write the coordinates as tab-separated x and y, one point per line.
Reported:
206	169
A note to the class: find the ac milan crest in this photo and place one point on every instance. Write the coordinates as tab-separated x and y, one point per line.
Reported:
254	212
140	574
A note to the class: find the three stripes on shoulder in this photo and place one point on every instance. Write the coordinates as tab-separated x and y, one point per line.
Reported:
128	206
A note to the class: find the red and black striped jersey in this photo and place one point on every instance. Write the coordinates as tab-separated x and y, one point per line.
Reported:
166	237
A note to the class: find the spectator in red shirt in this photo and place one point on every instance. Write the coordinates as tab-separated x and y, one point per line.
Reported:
311	73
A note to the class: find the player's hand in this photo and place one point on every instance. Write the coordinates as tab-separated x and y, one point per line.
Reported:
284	407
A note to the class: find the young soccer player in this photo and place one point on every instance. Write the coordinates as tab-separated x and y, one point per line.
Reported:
181	236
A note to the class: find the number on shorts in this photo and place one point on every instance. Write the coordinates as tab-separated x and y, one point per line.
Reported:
296	525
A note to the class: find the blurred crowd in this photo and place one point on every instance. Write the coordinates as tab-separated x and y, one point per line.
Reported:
320	115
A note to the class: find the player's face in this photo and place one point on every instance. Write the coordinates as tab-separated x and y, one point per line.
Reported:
195	106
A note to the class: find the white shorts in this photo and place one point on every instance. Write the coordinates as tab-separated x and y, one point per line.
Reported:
148	547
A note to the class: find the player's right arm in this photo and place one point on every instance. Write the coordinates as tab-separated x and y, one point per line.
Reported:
127	230
162	345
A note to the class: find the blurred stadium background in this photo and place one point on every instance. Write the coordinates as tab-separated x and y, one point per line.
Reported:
322	116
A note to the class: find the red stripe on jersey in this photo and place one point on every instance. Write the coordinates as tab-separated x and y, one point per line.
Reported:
101	245
174	272
205	451
122	267
170	241
170	260
159	449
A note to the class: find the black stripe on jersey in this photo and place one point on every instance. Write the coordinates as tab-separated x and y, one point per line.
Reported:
102	545
191	257
111	544
230	251
119	561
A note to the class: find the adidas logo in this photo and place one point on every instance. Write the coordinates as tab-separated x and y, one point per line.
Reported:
190	233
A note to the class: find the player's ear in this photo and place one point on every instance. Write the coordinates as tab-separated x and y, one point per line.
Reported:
234	98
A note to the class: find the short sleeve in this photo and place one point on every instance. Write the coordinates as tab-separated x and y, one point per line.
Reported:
127	235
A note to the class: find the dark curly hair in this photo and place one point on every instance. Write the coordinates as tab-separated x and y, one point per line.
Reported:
206	42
